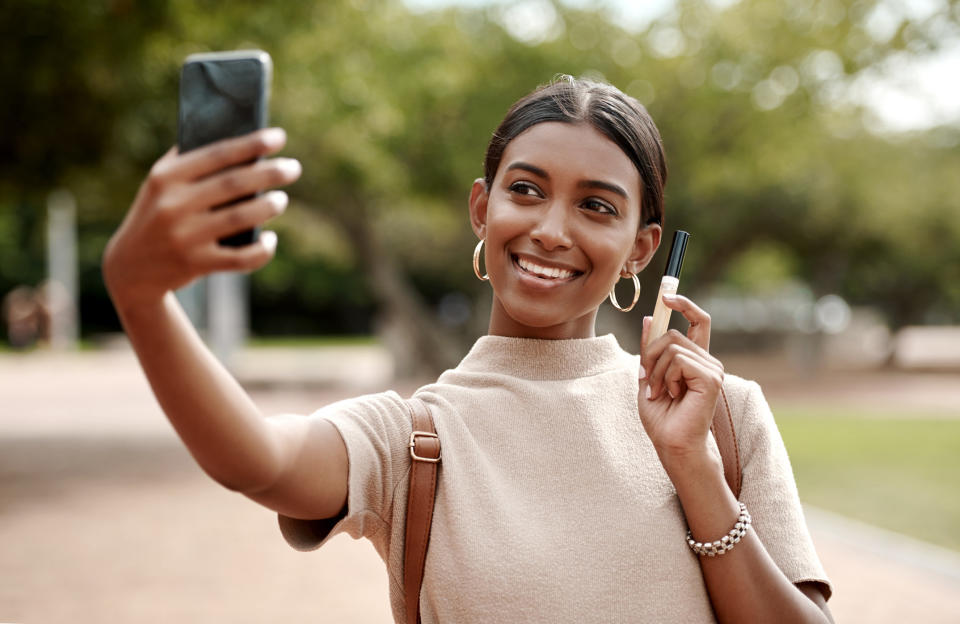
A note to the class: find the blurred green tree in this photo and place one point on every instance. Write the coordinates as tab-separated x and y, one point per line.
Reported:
390	111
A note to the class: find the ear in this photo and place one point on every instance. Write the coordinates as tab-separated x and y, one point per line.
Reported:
478	207
644	246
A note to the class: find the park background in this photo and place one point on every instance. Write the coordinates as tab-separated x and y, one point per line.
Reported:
826	243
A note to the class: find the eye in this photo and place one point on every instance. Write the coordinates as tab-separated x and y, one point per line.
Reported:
599	206
521	187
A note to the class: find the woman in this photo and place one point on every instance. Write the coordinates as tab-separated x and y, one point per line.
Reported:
571	472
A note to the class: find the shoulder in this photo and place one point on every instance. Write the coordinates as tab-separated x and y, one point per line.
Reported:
387	404
380	421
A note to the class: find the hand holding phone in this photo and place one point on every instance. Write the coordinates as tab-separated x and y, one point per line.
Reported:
173	232
223	95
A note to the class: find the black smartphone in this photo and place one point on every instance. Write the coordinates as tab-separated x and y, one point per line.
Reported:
223	95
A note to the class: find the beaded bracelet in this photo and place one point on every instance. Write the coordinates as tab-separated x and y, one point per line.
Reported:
725	543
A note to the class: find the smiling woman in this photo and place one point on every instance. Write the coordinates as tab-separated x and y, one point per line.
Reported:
561	221
569	177
577	482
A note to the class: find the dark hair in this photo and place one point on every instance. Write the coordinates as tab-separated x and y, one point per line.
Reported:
618	116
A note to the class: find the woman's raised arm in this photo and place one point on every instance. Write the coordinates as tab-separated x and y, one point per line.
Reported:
169	238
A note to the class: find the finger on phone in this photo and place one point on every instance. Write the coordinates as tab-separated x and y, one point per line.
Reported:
230	185
243	259
268	238
209	159
242	216
163	172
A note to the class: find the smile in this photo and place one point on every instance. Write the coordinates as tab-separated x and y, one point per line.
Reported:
544	272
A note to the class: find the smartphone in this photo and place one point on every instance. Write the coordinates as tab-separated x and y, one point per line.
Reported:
223	95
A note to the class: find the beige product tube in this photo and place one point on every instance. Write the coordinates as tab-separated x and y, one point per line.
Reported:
661	313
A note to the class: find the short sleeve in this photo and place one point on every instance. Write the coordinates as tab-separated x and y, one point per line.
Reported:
375	429
769	490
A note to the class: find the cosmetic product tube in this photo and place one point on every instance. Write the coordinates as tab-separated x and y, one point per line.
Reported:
668	285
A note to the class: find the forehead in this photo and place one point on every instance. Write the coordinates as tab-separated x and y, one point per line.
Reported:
573	152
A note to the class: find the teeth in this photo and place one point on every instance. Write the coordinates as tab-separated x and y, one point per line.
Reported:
542	271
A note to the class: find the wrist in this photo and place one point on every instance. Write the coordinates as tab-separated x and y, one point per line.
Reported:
126	286
127	296
130	304
695	463
708	504
135	308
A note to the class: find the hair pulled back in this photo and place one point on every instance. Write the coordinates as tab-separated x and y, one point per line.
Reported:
605	108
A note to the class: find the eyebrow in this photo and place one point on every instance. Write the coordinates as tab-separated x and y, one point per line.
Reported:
599	184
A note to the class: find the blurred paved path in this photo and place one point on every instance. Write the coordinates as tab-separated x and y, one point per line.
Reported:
104	517
897	392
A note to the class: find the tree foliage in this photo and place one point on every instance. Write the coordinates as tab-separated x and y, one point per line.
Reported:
390	110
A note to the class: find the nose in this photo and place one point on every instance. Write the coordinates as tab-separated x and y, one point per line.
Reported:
551	230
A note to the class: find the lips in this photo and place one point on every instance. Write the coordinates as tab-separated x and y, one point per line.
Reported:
543	271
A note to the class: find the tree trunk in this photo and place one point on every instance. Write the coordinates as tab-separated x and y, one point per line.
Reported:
406	324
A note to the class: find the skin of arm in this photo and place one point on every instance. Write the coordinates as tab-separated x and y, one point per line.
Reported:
683	381
168	238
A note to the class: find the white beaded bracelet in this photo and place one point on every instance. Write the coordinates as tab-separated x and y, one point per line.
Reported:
725	543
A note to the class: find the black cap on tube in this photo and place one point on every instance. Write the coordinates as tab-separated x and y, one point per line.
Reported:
675	261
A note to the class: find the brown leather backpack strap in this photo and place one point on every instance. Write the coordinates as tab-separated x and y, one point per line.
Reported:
726	437
425	457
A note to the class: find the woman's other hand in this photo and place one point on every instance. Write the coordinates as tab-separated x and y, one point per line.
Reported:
169	236
678	393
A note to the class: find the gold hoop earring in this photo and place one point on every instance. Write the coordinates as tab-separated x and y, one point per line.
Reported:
476	262
636	295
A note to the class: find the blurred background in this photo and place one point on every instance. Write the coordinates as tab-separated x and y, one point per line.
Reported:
813	148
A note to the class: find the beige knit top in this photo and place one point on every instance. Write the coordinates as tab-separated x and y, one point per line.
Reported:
552	505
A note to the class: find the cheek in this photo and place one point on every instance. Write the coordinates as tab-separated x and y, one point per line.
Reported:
608	254
502	212
504	225
499	235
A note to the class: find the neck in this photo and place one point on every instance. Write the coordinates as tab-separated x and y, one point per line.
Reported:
503	324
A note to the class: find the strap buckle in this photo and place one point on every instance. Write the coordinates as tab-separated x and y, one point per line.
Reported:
413	444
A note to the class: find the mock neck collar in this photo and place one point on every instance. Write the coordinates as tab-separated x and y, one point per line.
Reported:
537	359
